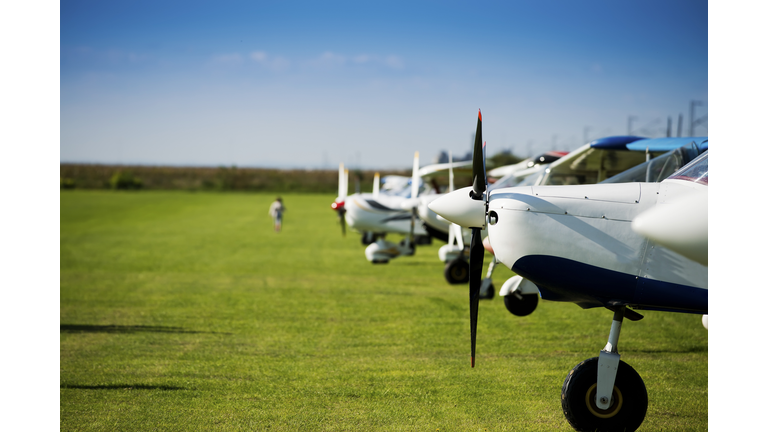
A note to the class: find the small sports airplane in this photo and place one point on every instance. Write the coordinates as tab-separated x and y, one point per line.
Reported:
391	208
577	244
376	214
596	160
520	295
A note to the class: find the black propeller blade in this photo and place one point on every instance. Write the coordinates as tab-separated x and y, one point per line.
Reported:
476	250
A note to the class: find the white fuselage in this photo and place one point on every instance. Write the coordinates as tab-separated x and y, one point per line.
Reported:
544	232
382	214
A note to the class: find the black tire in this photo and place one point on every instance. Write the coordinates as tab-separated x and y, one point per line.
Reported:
367	238
491	291
522	306
457	271
423	240
411	250
628	407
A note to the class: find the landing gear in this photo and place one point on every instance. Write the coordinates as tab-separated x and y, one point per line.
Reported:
521	304
407	247
487	291
604	393
627	406
367	238
457	271
521	296
422	240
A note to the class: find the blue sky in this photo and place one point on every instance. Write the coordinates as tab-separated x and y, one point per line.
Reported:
311	84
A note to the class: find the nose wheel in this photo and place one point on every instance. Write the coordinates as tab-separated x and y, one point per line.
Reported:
628	404
604	393
521	304
457	271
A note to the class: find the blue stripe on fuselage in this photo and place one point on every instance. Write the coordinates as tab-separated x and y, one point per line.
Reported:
561	279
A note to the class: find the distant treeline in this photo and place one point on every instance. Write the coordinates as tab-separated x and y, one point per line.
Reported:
89	176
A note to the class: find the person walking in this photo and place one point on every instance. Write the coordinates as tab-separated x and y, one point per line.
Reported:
276	211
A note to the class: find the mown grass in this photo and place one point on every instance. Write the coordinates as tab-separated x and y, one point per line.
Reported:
186	311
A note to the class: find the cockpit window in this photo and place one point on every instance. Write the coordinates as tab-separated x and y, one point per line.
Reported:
531	179
506	181
697	171
659	168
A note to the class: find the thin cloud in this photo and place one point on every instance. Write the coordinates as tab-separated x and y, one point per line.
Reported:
394	62
330	59
275	64
230	59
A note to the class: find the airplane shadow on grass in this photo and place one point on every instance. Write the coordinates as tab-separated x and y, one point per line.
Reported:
120	387
92	328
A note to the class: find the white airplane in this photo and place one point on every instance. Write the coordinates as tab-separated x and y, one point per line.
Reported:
595	160
388	209
520	295
606	155
577	244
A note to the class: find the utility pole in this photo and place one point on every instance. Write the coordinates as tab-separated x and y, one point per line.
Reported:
669	126
693	122
680	125
629	124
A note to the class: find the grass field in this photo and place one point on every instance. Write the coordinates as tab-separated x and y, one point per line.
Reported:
186	312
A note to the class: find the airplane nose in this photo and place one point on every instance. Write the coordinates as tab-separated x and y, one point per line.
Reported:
459	208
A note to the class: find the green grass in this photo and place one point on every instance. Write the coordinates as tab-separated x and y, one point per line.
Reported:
186	311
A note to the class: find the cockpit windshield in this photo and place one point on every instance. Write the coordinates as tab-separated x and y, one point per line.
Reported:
696	171
521	178
659	168
506	181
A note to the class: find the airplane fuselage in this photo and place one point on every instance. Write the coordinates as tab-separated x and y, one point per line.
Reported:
576	244
381	214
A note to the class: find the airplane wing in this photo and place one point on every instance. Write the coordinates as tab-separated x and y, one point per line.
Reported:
429	171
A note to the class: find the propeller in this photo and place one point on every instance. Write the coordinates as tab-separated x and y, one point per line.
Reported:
414	195
338	205
467	207
454	230
450	189
412	203
476	249
376	185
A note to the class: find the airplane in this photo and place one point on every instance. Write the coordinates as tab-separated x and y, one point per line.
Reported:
595	160
391	208
521	296
610	151
598	159
576	244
